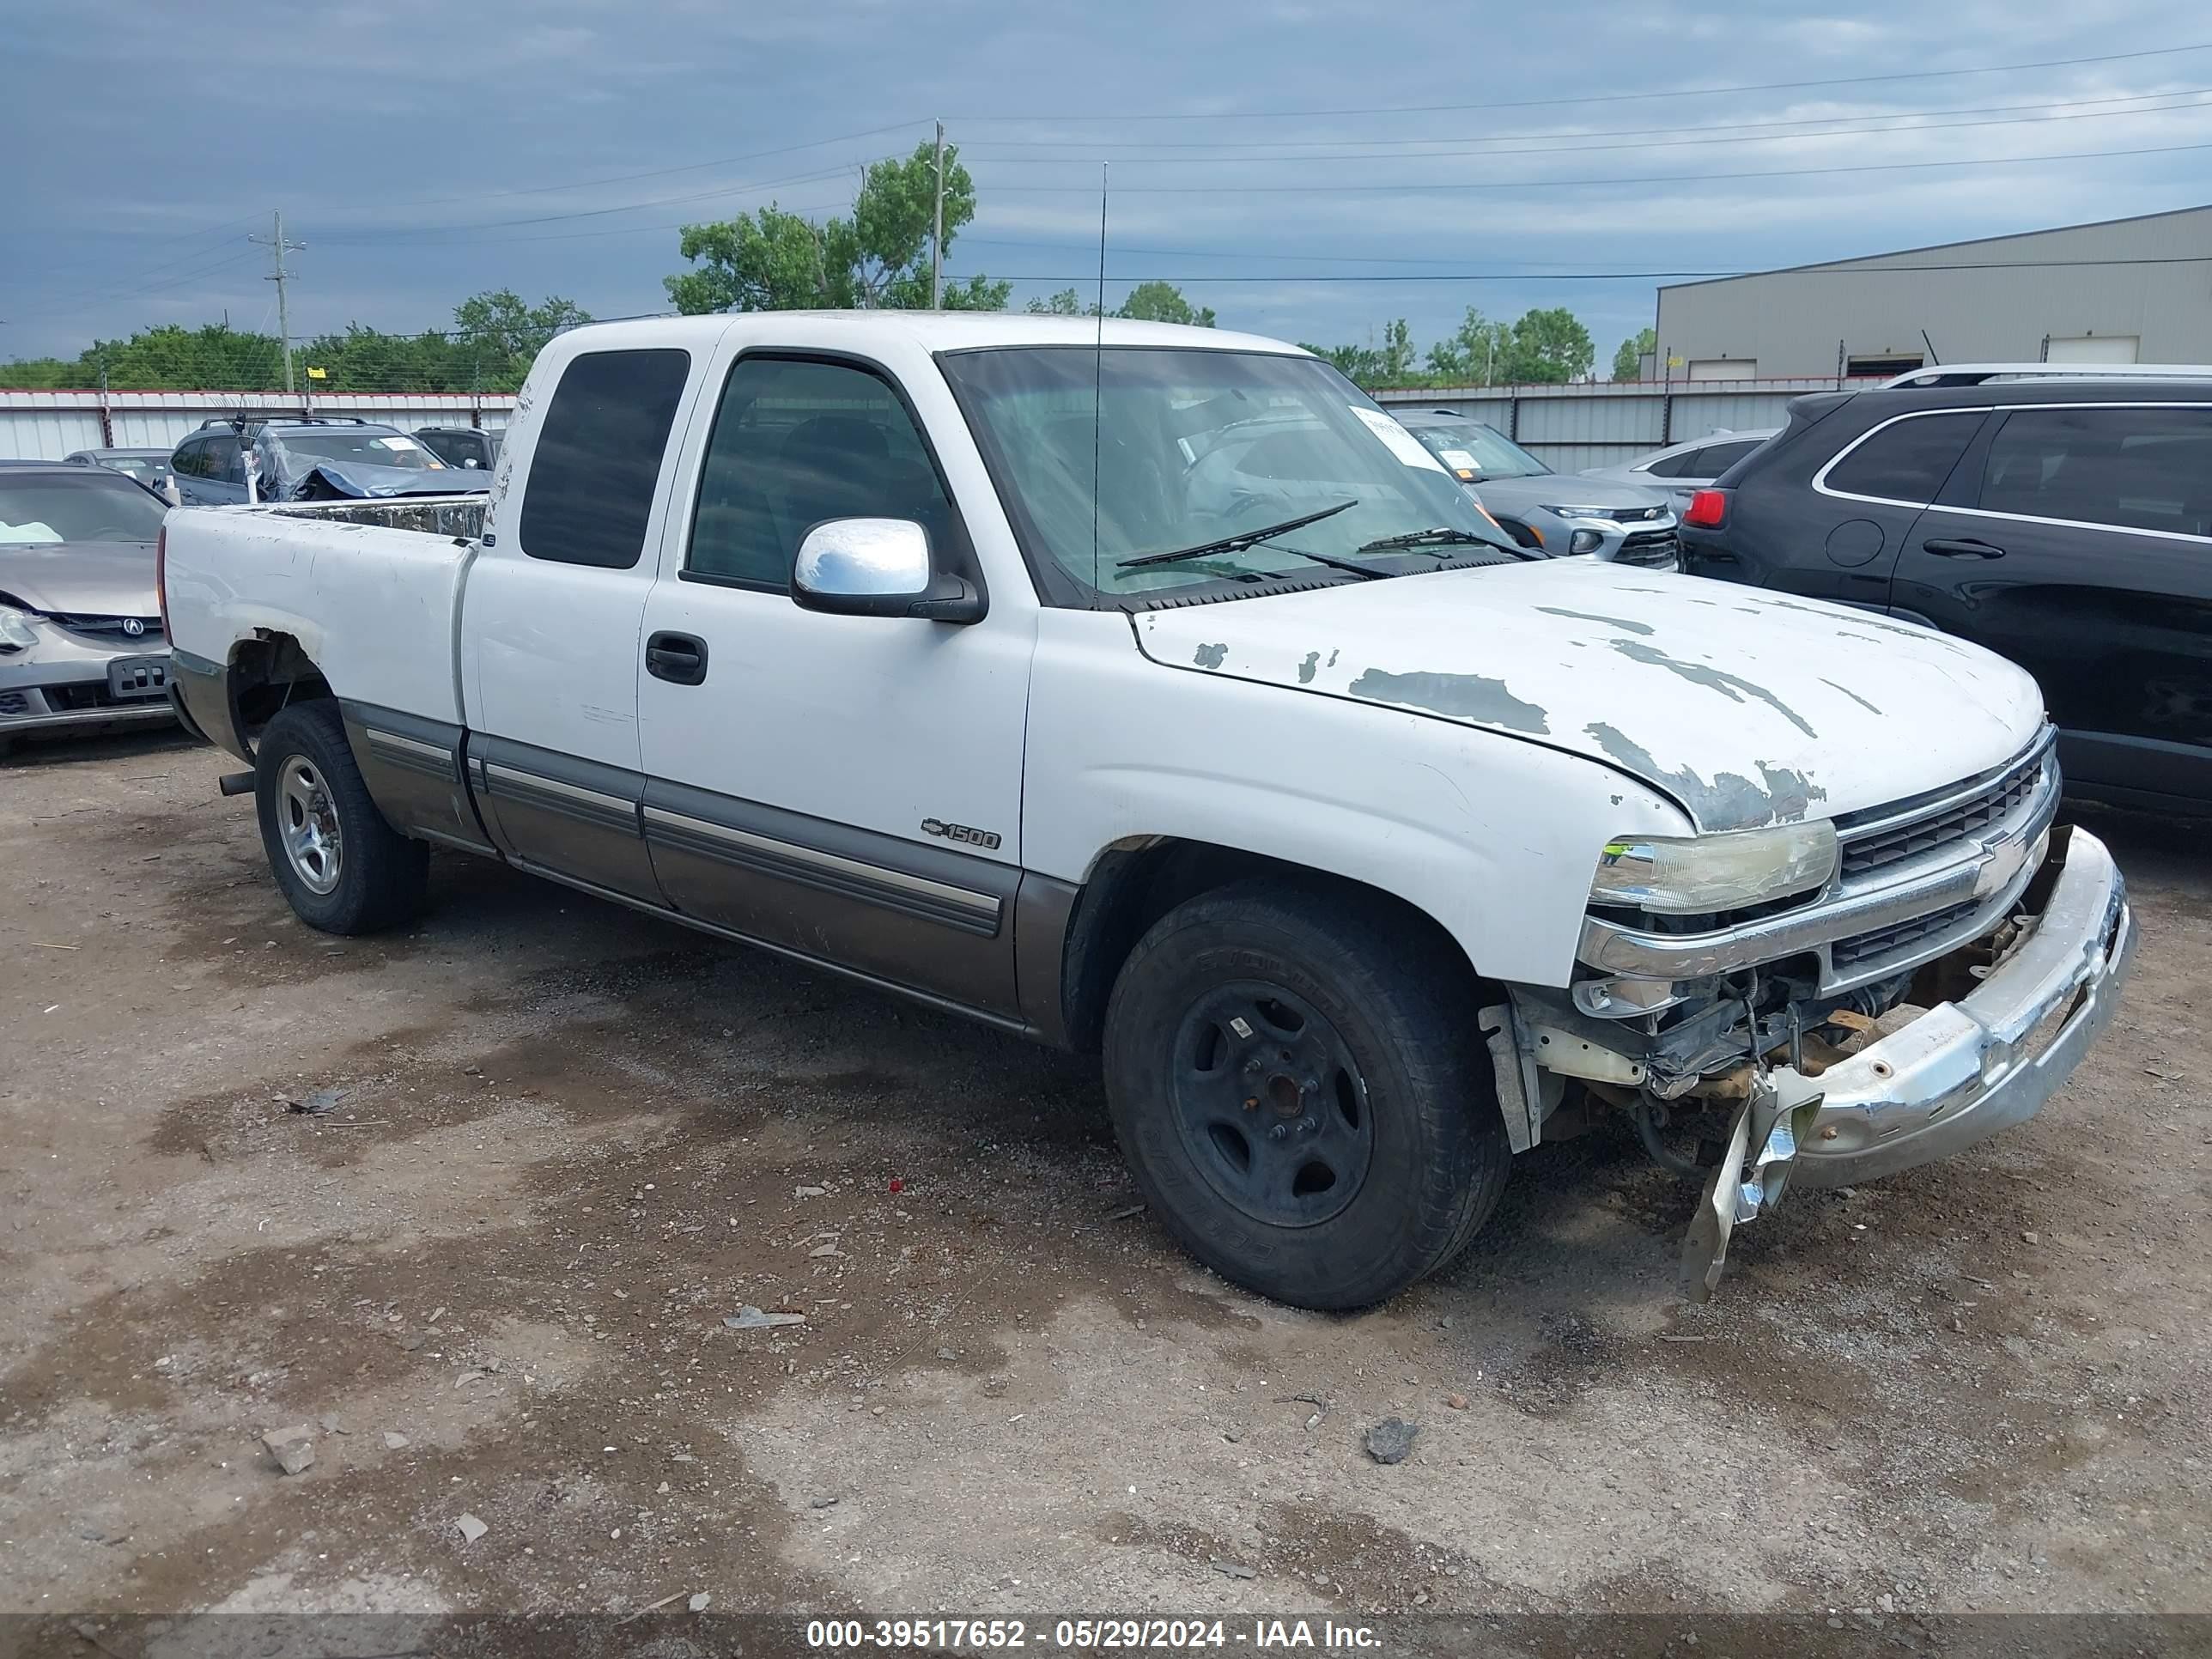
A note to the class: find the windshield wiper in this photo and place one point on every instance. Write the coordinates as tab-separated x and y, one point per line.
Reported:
1438	535
1243	540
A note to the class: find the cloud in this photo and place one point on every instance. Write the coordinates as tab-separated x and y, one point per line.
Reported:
368	123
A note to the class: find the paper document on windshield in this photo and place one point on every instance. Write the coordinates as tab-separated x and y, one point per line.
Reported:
1403	444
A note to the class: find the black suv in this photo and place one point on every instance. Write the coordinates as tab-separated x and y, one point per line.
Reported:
2065	524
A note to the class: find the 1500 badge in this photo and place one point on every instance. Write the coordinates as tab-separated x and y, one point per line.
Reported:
986	839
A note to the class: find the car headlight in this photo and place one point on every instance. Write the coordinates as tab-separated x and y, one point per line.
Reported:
18	629
1582	512
1690	874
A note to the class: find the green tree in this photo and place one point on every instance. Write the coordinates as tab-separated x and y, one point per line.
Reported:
504	335
1471	355
1390	363
1628	359
1066	303
771	260
1162	302
1546	347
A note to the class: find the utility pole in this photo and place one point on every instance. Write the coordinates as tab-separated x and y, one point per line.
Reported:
937	231
278	247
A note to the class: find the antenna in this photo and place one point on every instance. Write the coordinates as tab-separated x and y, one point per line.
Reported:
1098	372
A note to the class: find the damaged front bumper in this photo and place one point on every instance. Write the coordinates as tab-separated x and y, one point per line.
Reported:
1957	1073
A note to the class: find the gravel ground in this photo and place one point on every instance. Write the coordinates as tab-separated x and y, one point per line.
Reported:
569	1141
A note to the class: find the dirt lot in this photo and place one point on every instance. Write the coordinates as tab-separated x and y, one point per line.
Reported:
569	1141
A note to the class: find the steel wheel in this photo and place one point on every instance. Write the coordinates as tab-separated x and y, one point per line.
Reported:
1271	1106
308	822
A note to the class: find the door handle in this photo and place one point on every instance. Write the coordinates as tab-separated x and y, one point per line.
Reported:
1965	549
679	659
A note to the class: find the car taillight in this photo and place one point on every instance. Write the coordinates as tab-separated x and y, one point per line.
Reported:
161	579
1708	509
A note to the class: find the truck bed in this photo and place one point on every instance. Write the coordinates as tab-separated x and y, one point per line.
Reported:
371	589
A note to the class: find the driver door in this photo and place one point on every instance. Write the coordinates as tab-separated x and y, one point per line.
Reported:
845	787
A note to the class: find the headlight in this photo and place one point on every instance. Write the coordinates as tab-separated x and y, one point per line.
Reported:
1692	874
18	631
1582	512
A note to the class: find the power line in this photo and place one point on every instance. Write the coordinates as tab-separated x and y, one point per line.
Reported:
1613	97
1536	277
1579	149
1640	178
1568	132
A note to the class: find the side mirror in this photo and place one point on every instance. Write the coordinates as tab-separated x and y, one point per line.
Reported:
879	568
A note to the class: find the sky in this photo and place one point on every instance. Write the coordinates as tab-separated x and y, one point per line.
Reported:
1266	155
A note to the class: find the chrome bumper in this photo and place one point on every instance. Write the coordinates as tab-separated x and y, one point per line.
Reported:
1965	1070
1957	1074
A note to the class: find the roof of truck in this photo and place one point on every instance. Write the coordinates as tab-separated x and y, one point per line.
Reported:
937	331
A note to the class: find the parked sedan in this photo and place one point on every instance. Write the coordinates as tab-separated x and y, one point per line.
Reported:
1682	470
149	466
1559	514
80	638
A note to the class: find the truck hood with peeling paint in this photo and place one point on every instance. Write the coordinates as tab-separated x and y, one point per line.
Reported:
1747	708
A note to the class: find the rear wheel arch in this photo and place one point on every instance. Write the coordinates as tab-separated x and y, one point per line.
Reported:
267	674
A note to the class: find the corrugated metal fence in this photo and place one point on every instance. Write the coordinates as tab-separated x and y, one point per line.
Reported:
1607	423
44	426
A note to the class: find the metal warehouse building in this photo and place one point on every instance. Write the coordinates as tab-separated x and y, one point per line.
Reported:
2124	291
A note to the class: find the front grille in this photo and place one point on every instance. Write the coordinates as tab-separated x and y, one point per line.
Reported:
1847	953
1952	823
149	627
1634	514
1653	549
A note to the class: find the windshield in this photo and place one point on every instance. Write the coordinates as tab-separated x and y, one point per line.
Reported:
93	508
1195	448
145	468
368	447
1475	451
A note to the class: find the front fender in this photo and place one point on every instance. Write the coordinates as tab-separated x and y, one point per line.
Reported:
1493	838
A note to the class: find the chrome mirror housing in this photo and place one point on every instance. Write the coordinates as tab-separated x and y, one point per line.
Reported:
879	568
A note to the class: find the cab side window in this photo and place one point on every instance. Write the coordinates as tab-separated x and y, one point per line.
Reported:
186	462
597	461
796	441
2139	469
1905	461
219	459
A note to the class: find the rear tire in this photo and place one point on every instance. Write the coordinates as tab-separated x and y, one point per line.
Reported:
341	867
1298	1086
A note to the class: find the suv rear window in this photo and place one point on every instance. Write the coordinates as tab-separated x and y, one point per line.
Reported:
1905	461
591	478
2146	469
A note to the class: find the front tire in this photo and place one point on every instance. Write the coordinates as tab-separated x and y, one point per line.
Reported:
1298	1087
341	867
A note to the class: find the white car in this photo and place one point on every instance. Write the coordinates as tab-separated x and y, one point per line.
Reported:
1682	470
1149	691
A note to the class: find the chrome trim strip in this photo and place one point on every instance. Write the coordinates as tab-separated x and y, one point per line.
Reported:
2075	523
500	771
382	739
983	906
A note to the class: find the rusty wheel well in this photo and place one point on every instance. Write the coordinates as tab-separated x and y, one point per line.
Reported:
268	673
1132	885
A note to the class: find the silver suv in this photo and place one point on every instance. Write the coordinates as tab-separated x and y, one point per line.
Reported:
1561	513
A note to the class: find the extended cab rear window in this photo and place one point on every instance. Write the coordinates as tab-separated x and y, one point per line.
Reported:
592	477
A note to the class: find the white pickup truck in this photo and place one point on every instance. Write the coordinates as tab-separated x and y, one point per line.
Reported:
1147	690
